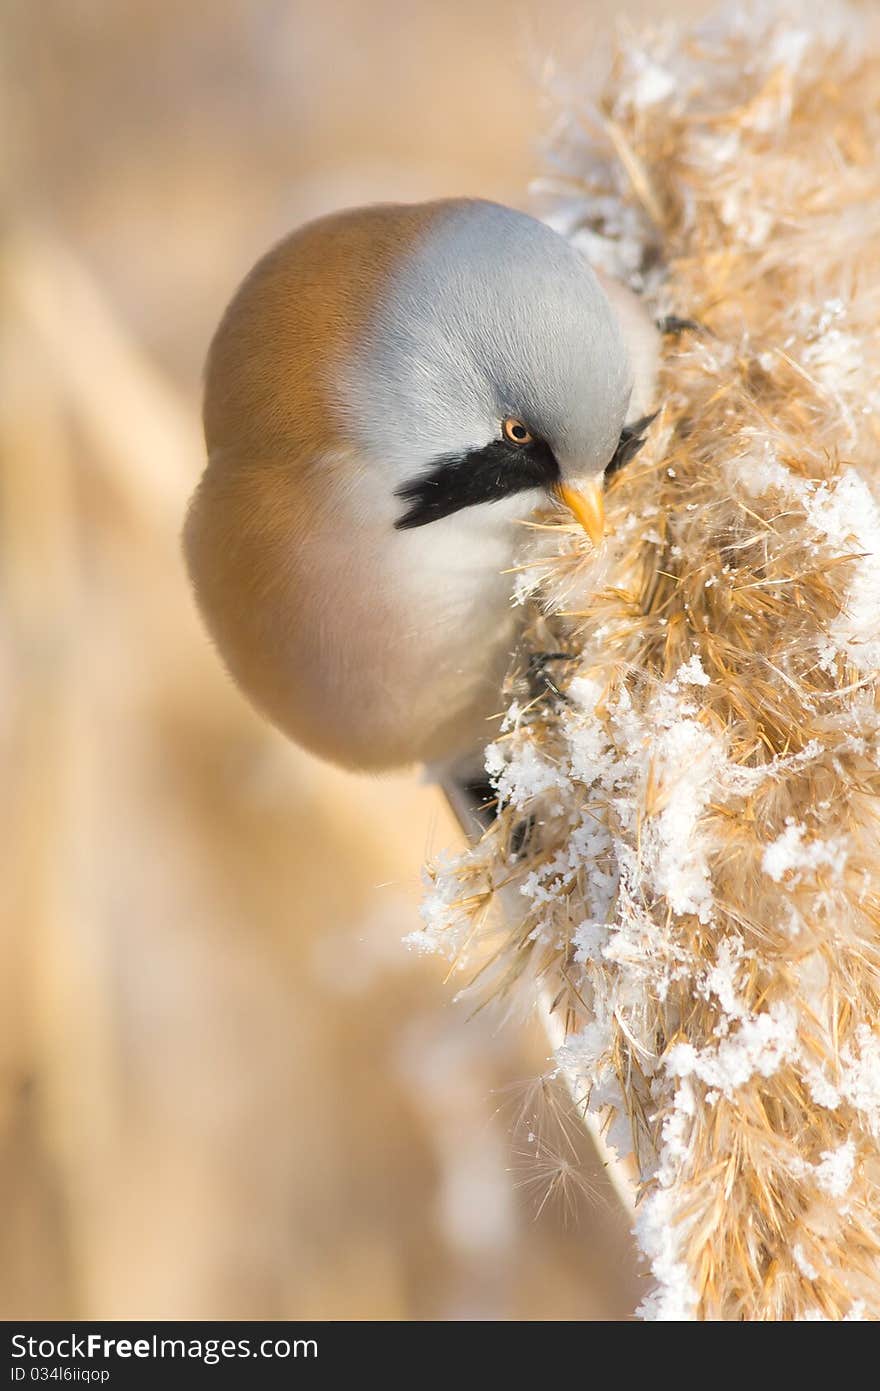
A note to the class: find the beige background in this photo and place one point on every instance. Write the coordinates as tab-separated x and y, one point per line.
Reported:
226	1089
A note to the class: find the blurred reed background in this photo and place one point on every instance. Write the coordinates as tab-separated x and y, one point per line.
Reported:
227	1090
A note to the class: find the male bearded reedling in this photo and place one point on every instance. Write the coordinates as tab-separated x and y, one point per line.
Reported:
390	393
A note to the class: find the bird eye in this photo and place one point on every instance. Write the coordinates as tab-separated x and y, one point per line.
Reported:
515	432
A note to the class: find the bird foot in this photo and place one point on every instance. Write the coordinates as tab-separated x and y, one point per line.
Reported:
540	680
632	437
673	326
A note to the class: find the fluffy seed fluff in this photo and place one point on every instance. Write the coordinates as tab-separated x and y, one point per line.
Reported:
688	844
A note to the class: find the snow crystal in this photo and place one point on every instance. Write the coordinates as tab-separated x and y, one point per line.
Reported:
787	48
691	672
581	1054
675	1131
758	473
752	224
848	515
790	853
860	1076
661	1231
834	359
440	912
650	83
592	760
821	1090
588	940
721	979
522	773
803	1263
686	760
834	1174
761	1044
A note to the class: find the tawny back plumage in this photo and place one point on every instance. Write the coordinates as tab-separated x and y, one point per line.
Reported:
276	443
289	330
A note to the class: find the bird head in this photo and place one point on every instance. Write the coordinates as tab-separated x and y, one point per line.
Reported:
491	370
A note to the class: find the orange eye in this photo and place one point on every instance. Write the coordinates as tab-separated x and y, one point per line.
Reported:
515	432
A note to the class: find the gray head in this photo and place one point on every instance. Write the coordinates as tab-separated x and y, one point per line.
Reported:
490	319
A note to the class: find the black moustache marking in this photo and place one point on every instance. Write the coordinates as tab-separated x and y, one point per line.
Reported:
497	470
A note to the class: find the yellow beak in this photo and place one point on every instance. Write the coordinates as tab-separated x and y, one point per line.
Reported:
587	504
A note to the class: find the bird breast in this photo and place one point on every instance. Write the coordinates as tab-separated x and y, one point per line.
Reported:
414	642
372	647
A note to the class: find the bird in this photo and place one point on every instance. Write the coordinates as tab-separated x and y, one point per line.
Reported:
392	391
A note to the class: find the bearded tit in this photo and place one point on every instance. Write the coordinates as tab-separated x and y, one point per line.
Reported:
392	391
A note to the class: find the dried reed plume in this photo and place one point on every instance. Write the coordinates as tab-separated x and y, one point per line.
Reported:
690	838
